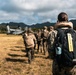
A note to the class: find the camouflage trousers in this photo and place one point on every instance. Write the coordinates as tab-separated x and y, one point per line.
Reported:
51	52
63	70
44	46
40	45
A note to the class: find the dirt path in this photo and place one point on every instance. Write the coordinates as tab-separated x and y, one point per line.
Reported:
14	62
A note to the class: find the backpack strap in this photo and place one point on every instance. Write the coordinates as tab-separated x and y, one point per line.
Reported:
60	36
70	42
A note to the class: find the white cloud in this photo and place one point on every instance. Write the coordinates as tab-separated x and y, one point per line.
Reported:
7	16
35	11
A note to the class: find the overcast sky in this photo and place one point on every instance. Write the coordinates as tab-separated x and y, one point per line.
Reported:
35	11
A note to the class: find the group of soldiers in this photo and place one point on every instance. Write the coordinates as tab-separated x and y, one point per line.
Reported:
43	40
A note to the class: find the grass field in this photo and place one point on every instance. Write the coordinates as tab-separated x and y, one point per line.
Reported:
14	62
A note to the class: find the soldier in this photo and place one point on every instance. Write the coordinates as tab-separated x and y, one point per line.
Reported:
44	37
60	69
39	40
30	42
50	41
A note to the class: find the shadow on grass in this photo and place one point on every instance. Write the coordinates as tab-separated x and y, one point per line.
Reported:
15	60
24	51
18	50
18	47
14	50
37	56
16	55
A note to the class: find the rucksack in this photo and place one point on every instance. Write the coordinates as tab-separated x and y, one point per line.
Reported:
65	47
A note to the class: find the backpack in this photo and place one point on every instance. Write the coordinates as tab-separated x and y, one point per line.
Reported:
65	47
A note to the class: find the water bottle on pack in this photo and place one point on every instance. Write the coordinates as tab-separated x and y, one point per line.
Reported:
58	51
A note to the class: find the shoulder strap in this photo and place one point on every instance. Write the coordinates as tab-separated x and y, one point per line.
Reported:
61	35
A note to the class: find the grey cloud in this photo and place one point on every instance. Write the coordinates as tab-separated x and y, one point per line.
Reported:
36	10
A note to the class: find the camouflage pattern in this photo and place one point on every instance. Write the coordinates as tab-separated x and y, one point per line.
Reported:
51	53
50	42
44	46
63	70
39	40
45	36
51	38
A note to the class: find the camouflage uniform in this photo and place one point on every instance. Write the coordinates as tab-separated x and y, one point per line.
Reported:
63	70
50	41
44	37
39	40
29	41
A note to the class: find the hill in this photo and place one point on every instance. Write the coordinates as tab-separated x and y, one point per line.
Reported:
38	25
